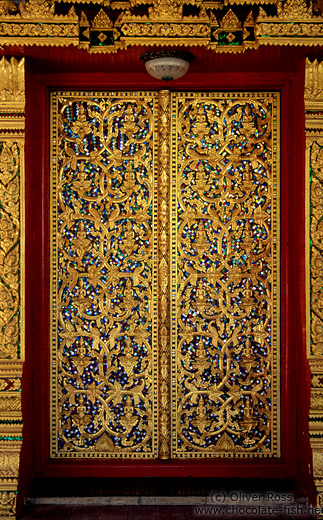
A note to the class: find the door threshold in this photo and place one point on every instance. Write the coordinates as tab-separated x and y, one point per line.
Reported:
214	499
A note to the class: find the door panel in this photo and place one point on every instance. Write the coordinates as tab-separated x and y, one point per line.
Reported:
104	287
165	275
226	281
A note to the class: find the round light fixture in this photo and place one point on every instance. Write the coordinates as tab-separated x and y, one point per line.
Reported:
167	65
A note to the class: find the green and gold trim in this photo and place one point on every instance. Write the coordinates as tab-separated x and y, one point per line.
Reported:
230	27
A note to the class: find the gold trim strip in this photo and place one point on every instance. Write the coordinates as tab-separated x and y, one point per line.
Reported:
163	272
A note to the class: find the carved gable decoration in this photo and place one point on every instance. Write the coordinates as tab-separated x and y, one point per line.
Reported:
110	25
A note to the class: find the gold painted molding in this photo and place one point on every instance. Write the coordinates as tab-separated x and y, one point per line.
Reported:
12	125
164	267
110	25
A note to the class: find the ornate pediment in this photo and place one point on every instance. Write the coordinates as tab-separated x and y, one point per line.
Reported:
110	25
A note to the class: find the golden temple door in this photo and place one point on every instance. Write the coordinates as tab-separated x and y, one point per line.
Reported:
165	275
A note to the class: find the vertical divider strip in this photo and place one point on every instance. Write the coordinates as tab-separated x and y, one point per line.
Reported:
173	270
164	273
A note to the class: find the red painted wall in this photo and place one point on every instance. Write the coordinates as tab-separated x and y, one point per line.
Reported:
266	69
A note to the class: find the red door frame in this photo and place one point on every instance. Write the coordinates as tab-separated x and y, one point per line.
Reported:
295	461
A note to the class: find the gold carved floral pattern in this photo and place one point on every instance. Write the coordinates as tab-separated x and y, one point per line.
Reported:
227	349
314	251
104	275
12	104
163	281
164	271
294	21
316	163
10	164
109	26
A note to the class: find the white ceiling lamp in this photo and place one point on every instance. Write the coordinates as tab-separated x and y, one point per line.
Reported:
168	64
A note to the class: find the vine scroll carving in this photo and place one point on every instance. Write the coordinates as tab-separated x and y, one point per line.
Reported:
165	275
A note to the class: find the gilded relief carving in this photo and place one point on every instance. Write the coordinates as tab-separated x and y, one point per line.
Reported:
318	461
314	251
167	10
8	504
314	81
12	83
8	7
317	401
164	271
294	20
227	349
10	151
9	464
221	26
103	274
10	404
163	281
12	101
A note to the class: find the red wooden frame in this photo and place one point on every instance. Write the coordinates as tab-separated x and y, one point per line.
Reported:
295	461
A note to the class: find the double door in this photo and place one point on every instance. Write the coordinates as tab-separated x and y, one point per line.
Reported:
164	275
